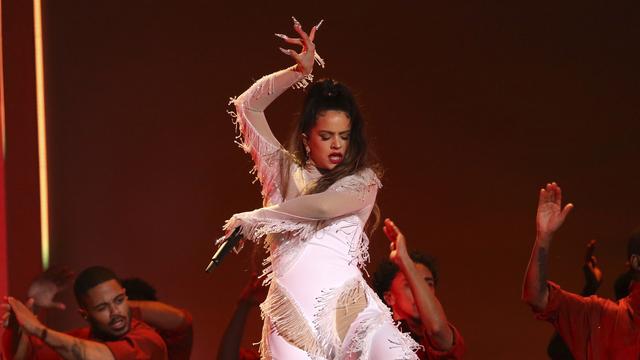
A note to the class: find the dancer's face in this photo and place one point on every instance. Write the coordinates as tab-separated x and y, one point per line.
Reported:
105	307
400	298
328	140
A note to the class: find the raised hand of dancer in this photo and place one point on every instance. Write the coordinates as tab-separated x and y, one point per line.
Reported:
305	58
22	314
592	272
549	218
398	253
47	285
551	214
6	314
433	320
17	340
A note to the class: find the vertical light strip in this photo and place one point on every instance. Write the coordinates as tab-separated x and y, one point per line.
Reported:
42	135
4	138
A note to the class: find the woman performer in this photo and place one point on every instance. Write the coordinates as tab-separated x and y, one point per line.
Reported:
318	195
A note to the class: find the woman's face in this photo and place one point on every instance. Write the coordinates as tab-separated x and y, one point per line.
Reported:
328	140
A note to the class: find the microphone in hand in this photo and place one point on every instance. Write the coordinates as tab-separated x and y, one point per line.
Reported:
224	249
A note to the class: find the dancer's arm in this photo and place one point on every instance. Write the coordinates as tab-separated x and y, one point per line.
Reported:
41	294
347	196
250	106
257	137
549	218
325	205
252	295
15	341
67	346
434	320
261	94
160	315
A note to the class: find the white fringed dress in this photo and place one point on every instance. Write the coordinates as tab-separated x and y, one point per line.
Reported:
319	306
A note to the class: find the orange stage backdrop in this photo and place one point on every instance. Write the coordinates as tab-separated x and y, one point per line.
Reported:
472	107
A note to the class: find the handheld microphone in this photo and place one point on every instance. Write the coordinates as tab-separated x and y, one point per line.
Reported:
224	249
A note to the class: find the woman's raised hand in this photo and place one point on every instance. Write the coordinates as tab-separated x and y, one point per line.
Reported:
305	58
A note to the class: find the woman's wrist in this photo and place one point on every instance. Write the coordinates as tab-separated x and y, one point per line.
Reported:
302	70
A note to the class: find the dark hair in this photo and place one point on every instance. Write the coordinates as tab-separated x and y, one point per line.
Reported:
386	272
90	278
138	289
633	245
324	95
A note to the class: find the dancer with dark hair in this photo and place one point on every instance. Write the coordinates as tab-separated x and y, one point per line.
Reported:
557	349
112	334
318	196
407	283
592	327
118	328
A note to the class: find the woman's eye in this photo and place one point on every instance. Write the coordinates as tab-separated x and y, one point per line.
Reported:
325	138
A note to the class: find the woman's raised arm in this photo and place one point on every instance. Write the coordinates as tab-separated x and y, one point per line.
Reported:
257	137
260	95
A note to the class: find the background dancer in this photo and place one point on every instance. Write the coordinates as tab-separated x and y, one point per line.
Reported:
592	327
407	282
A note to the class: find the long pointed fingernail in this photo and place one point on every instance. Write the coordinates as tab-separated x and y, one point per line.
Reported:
286	51
281	36
320	23
295	21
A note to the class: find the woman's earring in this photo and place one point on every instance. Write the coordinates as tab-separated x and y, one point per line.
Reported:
306	148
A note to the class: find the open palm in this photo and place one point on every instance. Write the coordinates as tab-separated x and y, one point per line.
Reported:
398	253
551	214
46	286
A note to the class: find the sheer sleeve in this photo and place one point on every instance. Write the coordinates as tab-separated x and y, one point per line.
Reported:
300	216
256	138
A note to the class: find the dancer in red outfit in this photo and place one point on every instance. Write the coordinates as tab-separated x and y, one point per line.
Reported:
407	283
592	327
116	330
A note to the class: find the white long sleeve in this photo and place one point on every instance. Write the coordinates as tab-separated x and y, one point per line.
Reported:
302	215
267	153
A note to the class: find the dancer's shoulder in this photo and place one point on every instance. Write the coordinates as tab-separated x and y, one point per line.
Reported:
358	181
